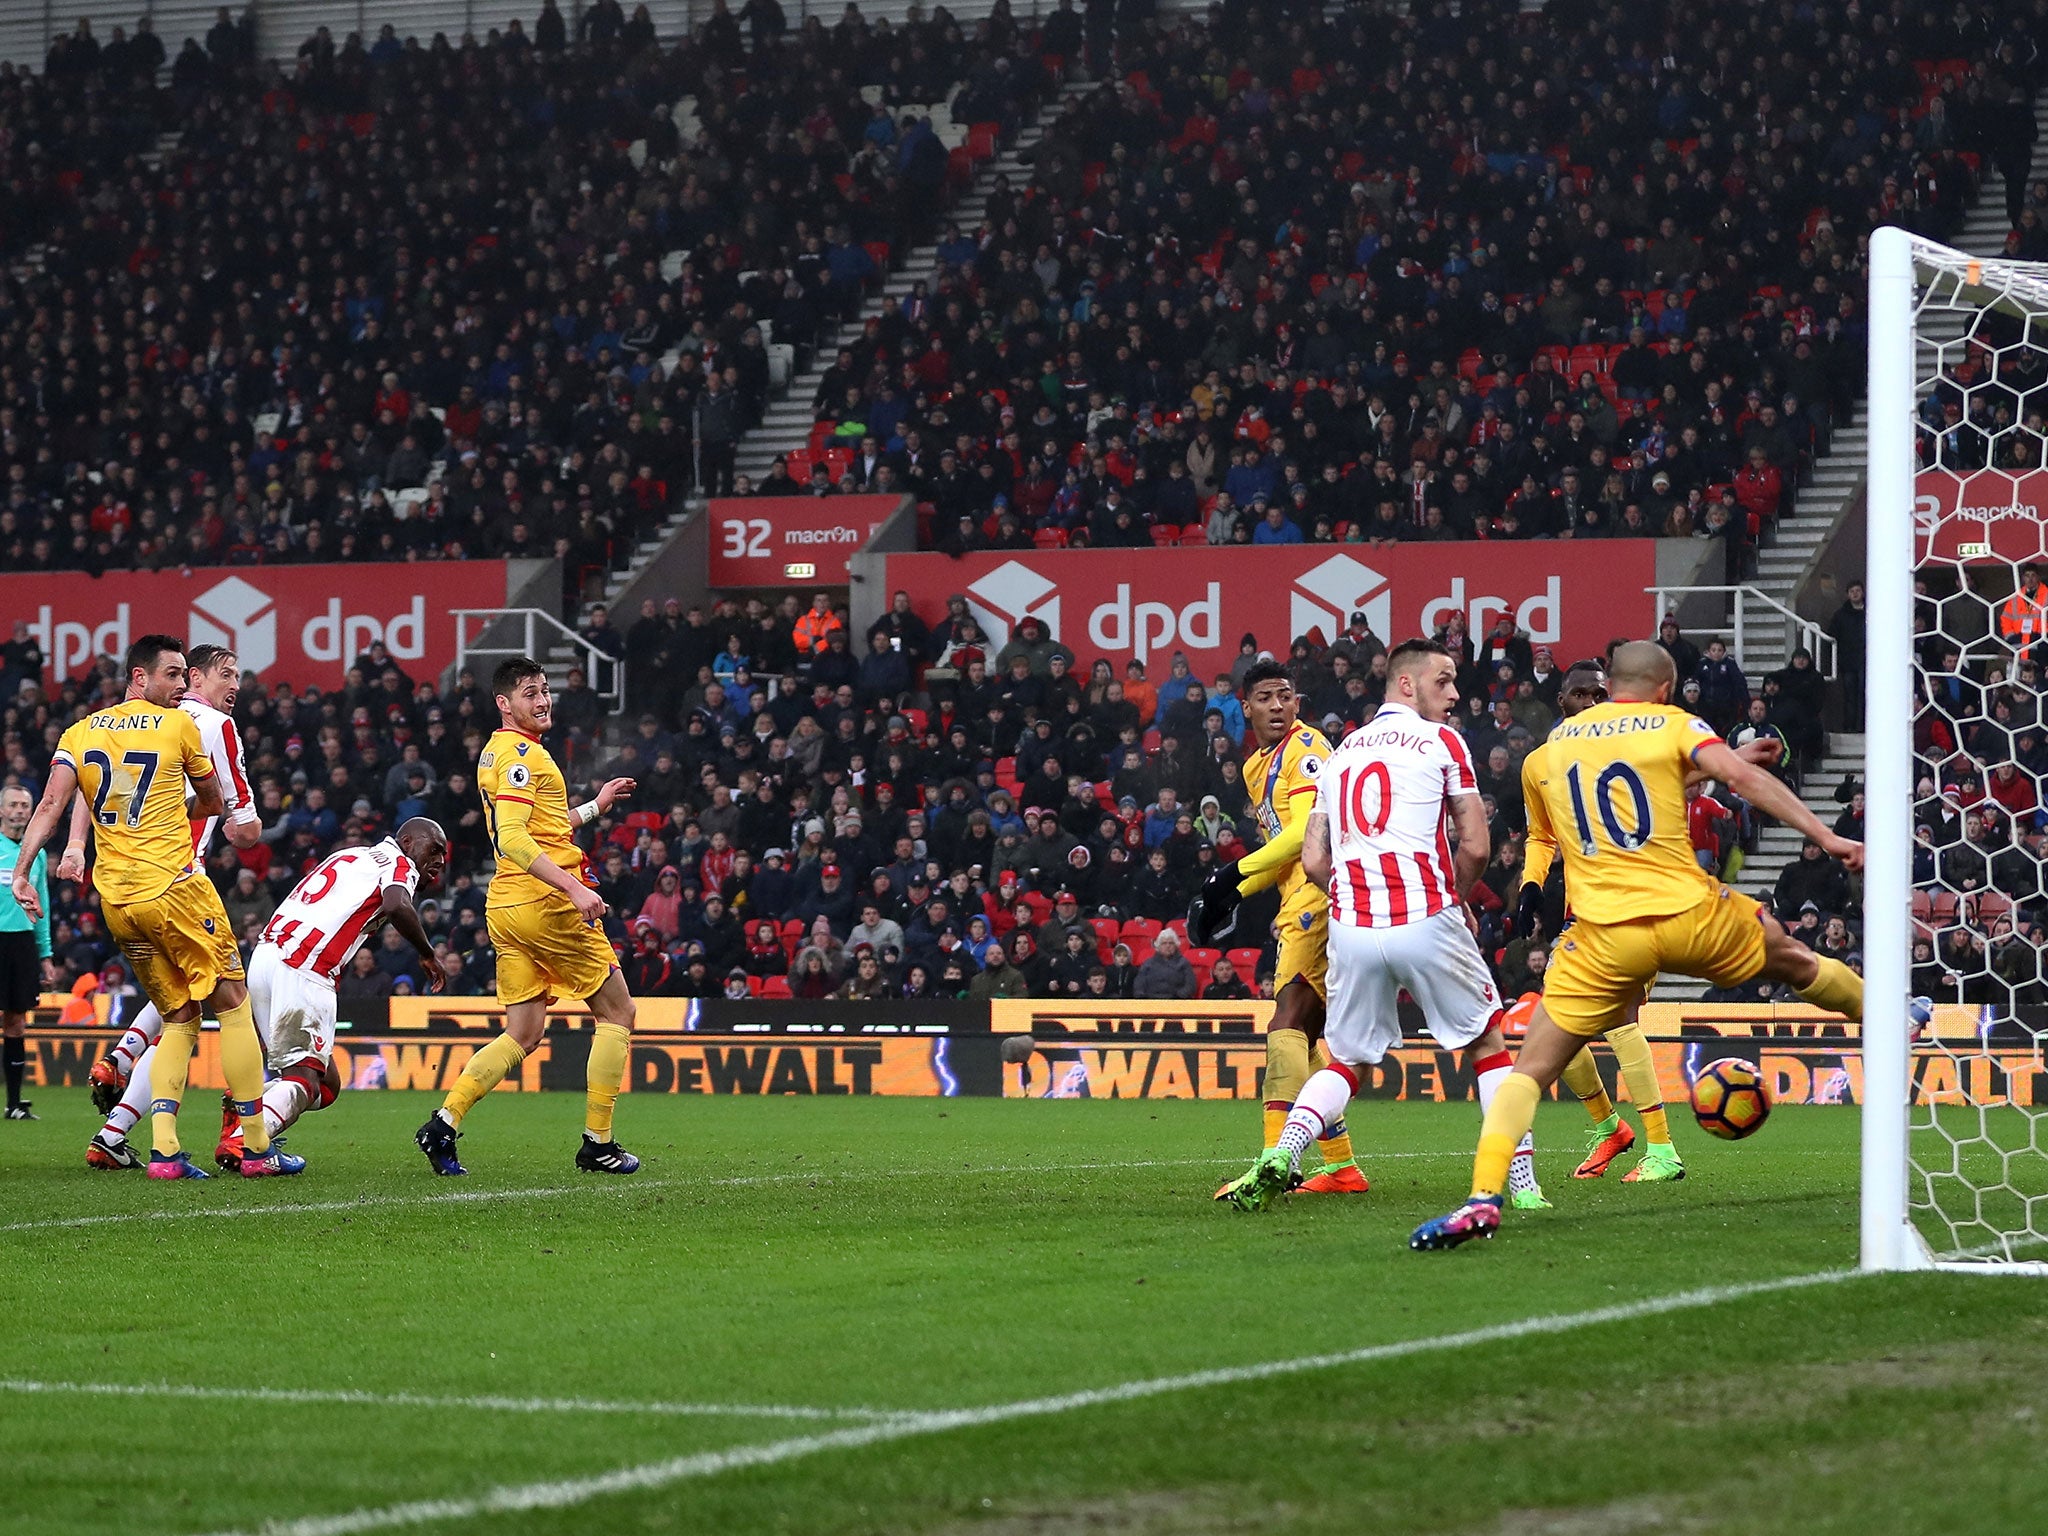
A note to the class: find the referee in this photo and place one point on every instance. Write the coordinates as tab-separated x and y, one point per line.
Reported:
25	966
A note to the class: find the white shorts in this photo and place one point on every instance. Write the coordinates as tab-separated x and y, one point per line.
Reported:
294	1010
1436	960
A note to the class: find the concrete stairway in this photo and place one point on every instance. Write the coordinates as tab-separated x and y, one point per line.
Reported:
786	423
1786	564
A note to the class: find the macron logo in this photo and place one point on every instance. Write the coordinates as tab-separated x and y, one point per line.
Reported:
1324	597
242	618
1008	595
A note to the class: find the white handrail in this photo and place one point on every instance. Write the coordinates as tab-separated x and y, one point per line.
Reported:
1811	635
537	628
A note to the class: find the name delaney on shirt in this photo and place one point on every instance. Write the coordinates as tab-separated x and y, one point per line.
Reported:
127	722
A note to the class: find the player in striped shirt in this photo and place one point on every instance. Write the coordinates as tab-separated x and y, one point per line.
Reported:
309	942
1378	840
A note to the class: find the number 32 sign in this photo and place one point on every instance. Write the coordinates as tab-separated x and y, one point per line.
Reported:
772	541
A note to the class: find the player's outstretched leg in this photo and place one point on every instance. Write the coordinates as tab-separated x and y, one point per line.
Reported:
610	1047
1612	1135
1508	1119
1318	1106
1491	1066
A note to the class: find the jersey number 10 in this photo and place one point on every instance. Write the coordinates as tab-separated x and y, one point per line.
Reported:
1354	815
1624	838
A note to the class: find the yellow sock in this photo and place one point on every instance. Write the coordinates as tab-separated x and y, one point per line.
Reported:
241	1063
606	1071
486	1069
1837	989
1513	1112
1582	1076
1336	1150
1286	1071
167	1071
1639	1071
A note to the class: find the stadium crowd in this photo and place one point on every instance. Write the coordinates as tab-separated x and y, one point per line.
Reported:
1595	272
1027	827
1341	278
400	300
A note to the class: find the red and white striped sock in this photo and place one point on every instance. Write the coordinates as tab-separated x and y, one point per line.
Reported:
147	1029
283	1102
1317	1108
134	1100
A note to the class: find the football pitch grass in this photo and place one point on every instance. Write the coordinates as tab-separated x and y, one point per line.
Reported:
872	1315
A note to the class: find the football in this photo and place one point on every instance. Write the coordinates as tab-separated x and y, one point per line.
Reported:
1729	1099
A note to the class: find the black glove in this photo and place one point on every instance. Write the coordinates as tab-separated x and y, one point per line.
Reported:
1213	912
1527	906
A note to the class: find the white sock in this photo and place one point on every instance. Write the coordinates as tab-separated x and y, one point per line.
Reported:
283	1102
134	1098
1522	1166
147	1029
1319	1105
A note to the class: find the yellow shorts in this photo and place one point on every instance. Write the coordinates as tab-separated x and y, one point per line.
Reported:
179	944
1598	970
545	949
1304	950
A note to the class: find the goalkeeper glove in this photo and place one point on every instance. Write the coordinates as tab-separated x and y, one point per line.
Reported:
1213	912
1527	906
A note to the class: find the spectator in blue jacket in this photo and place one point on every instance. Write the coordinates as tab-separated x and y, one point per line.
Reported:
1276	527
1724	691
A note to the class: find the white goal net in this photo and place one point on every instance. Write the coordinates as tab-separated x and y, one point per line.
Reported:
1956	886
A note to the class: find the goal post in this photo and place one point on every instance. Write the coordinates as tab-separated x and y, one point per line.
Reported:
1955	1098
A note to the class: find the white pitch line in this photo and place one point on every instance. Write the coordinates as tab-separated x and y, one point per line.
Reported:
481	1196
514	1498
294	1395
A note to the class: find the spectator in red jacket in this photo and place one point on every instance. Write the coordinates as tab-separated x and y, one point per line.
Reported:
1760	490
1703	817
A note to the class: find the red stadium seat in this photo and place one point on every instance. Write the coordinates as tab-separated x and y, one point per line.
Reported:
1136	929
1246	960
1203	960
775	986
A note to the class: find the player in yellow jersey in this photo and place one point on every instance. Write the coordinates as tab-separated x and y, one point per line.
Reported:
544	923
1612	798
1281	779
1584	686
133	762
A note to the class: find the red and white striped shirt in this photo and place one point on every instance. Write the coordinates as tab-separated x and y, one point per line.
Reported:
224	746
322	923
1385	791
